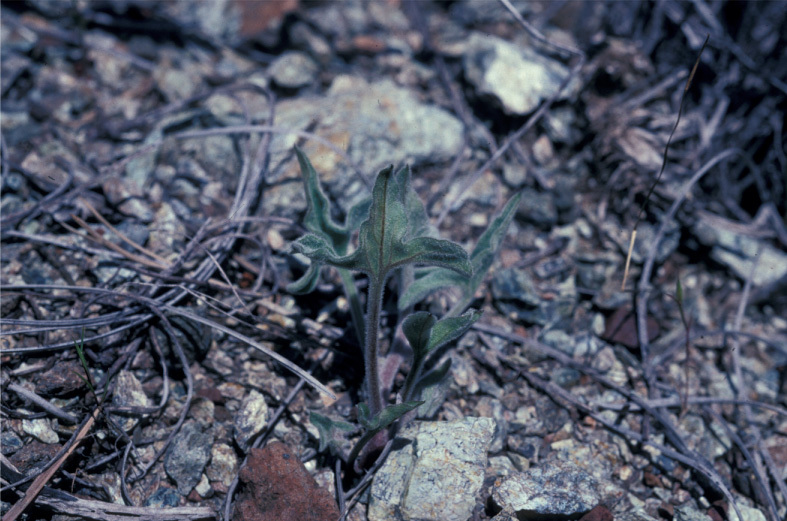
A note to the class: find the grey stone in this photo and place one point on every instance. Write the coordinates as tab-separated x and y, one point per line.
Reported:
516	297
435	472
163	497
187	456
560	340
739	252
40	429
514	174
646	234
690	513
537	208
710	445
293	70
748	513
10	442
561	489
474	12
634	515
377	124
250	419
489	407
128	393
514	76
223	464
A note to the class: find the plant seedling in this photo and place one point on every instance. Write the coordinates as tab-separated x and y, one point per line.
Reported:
394	233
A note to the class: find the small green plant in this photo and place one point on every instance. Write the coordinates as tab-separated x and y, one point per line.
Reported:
393	233
86	379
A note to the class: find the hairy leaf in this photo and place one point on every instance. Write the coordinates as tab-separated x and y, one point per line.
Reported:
417	328
386	417
387	238
481	260
451	328
307	282
319	222
427	334
318	212
331	431
432	389
319	250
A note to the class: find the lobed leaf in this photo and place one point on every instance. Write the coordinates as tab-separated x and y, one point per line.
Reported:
481	260
426	334
318	218
318	249
434	279
331	431
489	243
388	239
319	222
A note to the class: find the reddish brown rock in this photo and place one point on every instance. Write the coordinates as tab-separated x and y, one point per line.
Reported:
599	513
277	487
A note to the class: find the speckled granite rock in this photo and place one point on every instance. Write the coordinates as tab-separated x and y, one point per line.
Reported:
435	472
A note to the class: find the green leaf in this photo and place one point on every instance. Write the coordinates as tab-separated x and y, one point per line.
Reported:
431	281
318	213
435	252
383	237
385	418
417	219
489	243
319	222
318	249
331	431
450	328
481	260
358	213
426	334
417	328
432	389
307	282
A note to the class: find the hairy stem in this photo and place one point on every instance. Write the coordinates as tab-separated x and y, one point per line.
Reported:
371	352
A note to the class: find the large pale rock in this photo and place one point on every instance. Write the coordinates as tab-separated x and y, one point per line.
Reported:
435	472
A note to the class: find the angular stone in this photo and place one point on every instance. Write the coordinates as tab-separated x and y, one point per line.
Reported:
514	76
434	473
187	456
559	489
250	419
128	393
277	487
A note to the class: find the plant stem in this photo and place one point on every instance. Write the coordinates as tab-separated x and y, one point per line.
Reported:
356	311
412	377
374	307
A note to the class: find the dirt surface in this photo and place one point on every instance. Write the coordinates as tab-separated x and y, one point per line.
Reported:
150	194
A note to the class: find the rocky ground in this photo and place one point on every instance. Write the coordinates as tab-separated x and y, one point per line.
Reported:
150	194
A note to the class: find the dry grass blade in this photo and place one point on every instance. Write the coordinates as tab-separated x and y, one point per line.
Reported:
663	166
